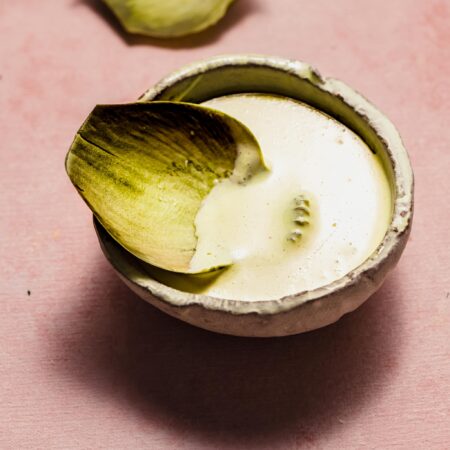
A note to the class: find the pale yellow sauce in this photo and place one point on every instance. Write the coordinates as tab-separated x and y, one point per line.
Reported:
320	212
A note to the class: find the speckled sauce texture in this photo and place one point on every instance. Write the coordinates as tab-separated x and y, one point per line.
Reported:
84	363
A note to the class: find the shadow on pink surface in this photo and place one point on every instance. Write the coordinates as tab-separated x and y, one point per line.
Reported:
237	12
225	388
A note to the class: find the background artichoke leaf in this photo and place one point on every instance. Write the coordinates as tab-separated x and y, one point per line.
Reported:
168	18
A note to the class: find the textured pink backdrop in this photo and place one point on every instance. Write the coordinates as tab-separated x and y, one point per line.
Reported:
85	364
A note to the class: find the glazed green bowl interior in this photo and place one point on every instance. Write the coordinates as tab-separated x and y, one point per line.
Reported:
304	84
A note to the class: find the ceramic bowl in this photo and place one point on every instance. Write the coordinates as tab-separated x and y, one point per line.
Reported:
306	310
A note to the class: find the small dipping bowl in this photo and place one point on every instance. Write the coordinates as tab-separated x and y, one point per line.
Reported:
305	310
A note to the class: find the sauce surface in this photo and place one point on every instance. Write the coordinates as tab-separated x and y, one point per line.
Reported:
319	212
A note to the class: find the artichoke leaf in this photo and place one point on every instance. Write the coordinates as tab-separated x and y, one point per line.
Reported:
145	168
168	18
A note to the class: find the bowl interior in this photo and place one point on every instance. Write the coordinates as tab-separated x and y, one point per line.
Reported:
223	76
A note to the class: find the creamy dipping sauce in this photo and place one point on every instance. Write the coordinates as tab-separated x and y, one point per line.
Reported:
319	212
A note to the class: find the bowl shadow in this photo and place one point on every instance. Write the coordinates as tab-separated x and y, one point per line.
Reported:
225	388
235	14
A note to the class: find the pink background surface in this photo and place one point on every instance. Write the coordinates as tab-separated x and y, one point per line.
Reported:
84	363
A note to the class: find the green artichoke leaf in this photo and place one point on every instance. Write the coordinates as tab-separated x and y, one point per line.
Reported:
168	18
145	168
